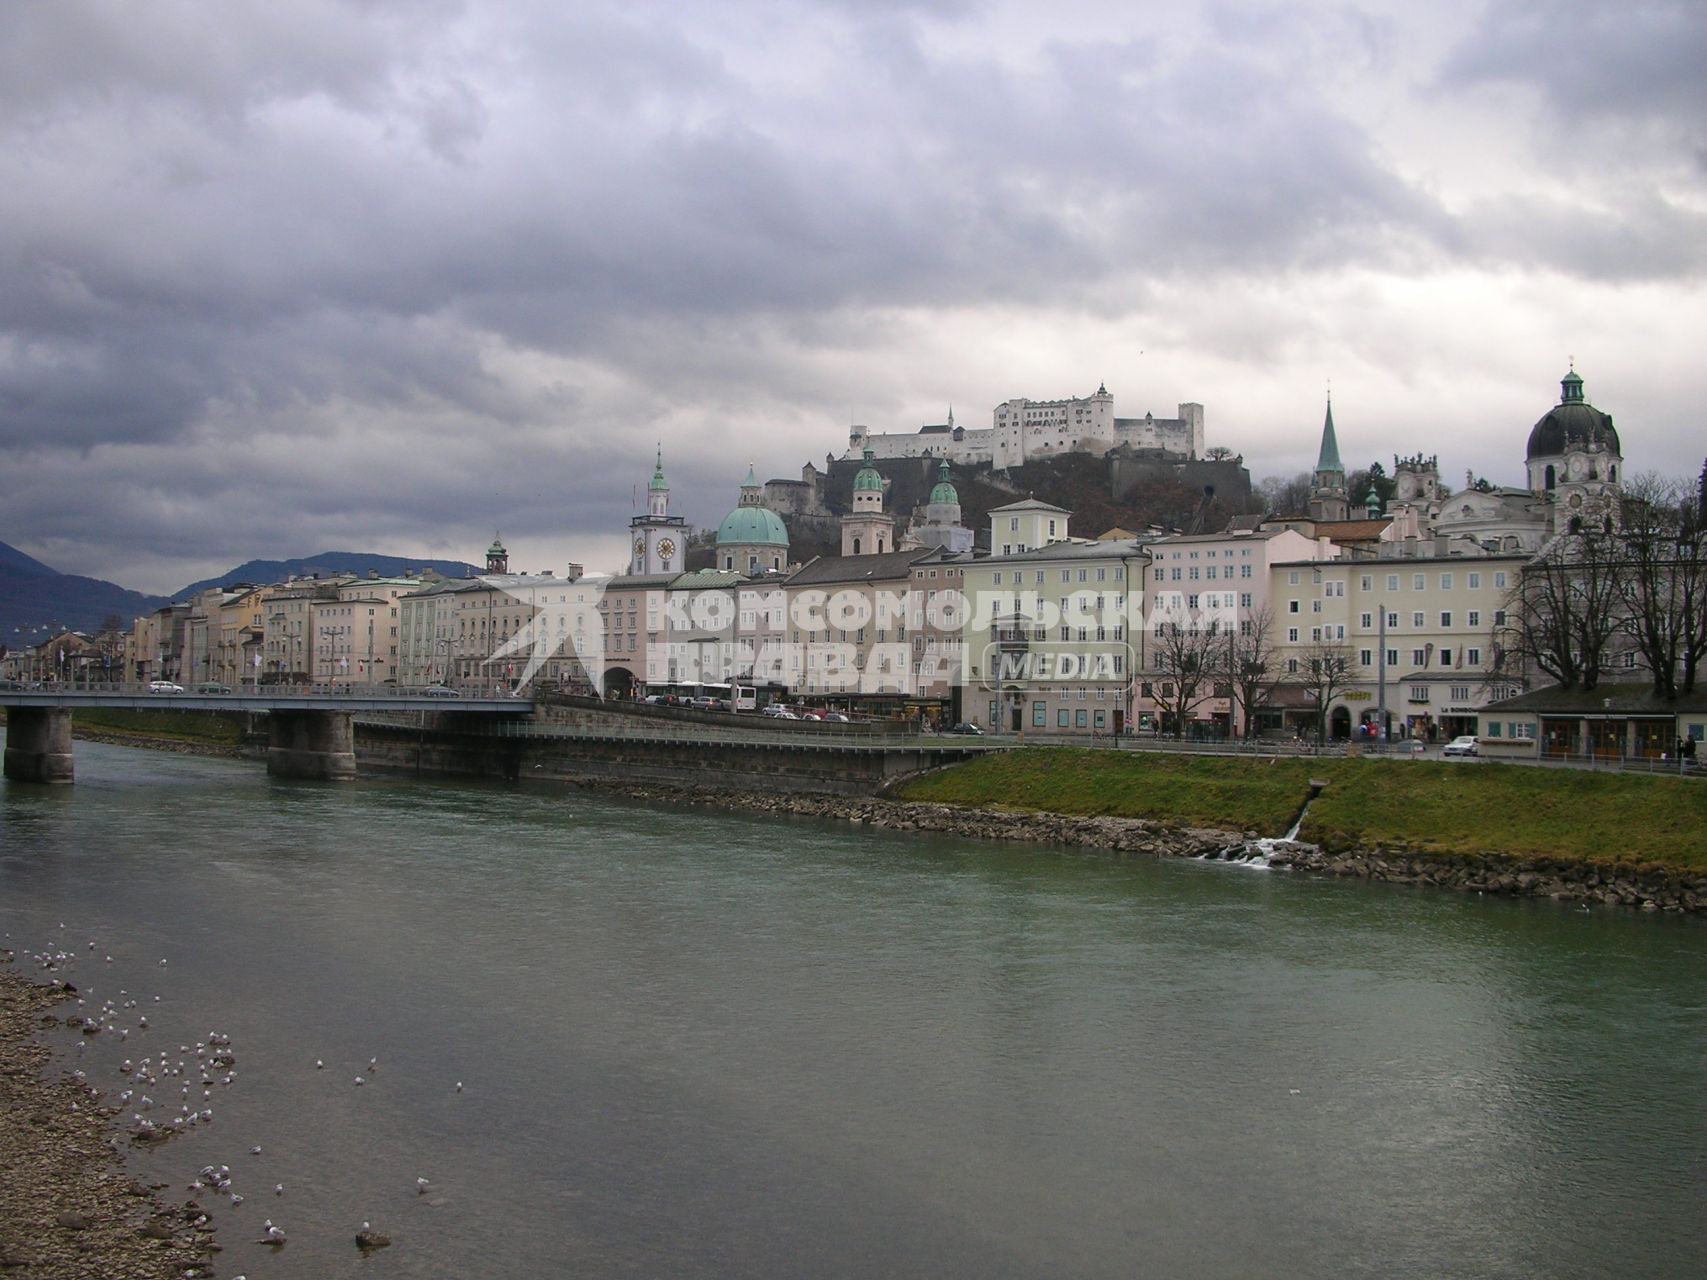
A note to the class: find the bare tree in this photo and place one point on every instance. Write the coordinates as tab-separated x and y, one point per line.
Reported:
1562	614
1287	495
1182	663
1662	583
1253	667
1324	672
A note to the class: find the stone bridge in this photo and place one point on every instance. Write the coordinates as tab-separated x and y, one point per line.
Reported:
310	730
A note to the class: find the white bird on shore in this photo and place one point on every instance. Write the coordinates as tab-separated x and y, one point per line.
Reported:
421	1185
271	1234
459	1086
360	1082
278	1189
319	1065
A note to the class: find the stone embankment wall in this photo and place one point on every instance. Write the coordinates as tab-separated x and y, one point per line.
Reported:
1648	888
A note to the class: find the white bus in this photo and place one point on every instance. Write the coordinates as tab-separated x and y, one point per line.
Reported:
728	697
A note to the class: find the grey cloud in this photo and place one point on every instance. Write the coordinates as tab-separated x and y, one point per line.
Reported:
1639	60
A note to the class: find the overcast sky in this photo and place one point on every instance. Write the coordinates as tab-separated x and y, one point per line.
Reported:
388	275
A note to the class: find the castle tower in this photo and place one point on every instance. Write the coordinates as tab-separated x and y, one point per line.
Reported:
1327	494
866	530
658	539
497	559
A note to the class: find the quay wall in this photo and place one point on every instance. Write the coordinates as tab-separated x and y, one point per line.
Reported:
780	768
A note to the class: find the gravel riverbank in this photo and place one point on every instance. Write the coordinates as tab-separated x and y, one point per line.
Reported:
68	1210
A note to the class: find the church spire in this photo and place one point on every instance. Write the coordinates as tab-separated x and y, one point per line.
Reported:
1329	457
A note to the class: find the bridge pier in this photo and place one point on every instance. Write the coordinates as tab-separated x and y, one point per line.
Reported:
38	744
320	745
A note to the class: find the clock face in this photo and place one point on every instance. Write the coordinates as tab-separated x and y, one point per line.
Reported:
640	546
666	548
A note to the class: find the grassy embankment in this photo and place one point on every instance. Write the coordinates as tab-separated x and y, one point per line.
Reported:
1422	805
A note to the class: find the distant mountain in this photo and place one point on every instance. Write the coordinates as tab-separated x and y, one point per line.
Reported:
35	600
328	564
13	559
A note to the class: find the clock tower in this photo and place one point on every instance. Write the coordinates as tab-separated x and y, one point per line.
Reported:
657	540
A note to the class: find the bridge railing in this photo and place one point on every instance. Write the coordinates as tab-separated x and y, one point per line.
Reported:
265	692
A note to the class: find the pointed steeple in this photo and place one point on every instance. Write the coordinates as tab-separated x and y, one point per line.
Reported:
1329	458
658	481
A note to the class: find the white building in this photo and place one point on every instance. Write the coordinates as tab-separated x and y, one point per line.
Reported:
1022	430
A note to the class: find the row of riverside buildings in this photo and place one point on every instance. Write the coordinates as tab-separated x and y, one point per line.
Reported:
1392	621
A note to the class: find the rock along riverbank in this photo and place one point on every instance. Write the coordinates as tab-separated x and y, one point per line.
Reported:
1647	888
67	1209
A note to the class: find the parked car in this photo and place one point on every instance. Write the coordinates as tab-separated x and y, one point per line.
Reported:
211	686
776	711
965	727
706	703
835	716
164	686
1465	746
441	691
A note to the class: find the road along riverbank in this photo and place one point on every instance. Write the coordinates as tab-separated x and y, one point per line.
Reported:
68	1211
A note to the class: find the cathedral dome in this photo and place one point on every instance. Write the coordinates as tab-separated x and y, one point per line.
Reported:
868	478
752	527
1572	424
944	494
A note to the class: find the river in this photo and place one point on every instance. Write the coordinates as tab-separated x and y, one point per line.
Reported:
698	1044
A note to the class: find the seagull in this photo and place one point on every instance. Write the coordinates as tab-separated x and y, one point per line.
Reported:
421	1185
360	1082
254	1151
271	1235
319	1065
459	1086
278	1189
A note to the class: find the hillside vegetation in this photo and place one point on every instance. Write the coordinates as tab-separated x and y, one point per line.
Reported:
1435	806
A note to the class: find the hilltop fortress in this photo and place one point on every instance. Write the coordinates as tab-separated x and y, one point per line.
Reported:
1024	430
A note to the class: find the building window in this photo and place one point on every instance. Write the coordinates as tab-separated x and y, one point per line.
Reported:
1063	718
1366	620
1475	618
1419	619
1392	657
1446	617
1475	581
1473	657
1446	582
1366	657
1292	635
1292	606
1419	693
1417	580
1039	715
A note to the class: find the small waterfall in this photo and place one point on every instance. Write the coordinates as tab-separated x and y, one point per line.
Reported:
1260	853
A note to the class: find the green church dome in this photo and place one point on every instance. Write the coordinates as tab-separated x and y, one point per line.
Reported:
944	493
752	527
869	478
